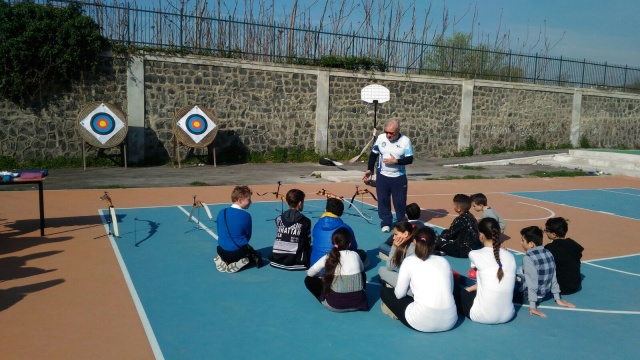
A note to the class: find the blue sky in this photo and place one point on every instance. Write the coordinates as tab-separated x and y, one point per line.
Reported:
598	30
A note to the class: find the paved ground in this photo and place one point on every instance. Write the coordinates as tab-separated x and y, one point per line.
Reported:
291	173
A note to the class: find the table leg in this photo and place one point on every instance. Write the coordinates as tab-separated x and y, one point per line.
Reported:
41	200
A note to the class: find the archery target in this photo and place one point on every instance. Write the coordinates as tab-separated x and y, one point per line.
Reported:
102	123
196	124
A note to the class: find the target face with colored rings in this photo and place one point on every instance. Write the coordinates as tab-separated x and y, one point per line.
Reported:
196	124
102	123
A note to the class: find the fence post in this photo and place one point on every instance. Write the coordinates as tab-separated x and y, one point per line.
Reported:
584	64
509	68
181	27
560	71
604	79
624	83
535	69
453	54
273	48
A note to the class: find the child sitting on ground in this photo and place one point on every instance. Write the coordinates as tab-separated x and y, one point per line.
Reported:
413	214
539	271
566	253
462	235
479	204
342	286
402	248
489	301
234	233
292	247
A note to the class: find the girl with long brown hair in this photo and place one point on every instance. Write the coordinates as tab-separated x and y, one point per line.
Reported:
402	248
341	288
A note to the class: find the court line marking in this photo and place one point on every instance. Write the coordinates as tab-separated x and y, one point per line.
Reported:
612	258
519	202
625	312
620	192
153	341
553	214
588	262
571	206
198	222
611	269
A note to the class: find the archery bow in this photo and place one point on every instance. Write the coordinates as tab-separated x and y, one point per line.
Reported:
276	193
114	220
199	204
361	192
330	195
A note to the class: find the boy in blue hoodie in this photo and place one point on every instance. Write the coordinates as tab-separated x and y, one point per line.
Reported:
329	222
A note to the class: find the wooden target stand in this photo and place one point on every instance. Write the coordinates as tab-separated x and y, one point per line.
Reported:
180	136
92	138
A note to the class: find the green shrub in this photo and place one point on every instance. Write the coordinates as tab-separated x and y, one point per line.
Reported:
464	152
584	142
43	48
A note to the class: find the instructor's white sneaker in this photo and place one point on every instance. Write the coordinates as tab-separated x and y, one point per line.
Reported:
385	229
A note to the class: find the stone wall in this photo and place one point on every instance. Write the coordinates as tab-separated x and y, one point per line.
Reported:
428	112
260	107
610	122
504	117
50	131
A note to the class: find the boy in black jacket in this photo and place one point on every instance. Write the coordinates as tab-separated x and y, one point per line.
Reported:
566	253
292	247
463	235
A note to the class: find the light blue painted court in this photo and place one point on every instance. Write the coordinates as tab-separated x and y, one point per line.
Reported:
195	312
619	201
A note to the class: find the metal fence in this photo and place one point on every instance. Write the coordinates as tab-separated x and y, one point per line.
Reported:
179	31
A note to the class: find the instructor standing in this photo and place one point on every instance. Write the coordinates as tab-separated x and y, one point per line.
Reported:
392	151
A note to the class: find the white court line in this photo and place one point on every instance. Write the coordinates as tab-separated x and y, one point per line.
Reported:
611	269
620	192
587	310
553	214
153	342
199	223
612	258
575	207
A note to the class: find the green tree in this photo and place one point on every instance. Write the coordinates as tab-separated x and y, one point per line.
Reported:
457	56
44	48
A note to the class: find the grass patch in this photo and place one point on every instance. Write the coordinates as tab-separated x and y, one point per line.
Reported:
470	167
198	183
560	173
476	177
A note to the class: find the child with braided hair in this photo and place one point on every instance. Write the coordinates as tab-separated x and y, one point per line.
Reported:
489	301
341	288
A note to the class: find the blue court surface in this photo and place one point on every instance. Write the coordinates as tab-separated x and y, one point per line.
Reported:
621	201
191	311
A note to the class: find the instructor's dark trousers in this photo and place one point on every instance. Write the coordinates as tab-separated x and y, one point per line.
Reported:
386	189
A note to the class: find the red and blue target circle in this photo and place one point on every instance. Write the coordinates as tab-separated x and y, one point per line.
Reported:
196	124
102	124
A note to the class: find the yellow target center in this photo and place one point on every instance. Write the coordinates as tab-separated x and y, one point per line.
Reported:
102	123
197	124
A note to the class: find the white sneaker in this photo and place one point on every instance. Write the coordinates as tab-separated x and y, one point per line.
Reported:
385	229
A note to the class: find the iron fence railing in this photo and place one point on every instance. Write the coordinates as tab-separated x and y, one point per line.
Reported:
228	37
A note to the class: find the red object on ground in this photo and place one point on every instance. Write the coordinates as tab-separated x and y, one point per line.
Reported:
472	273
